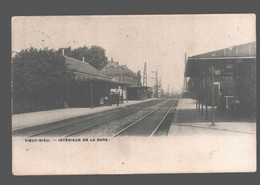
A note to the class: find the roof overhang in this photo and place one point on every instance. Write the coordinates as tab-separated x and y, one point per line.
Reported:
138	87
219	58
236	54
195	66
111	82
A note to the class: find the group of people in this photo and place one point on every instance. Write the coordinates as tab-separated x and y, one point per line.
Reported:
112	98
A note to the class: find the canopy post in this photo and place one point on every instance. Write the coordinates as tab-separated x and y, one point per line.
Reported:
206	96
199	94
202	95
212	95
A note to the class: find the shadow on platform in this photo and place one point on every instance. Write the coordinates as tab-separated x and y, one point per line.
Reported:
193	116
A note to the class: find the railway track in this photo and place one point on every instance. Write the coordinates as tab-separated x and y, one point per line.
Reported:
154	123
73	127
117	123
146	119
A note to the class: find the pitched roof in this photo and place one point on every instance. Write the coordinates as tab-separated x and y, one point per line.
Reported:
239	53
85	69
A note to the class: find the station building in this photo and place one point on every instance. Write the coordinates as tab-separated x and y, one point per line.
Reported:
137	92
229	73
90	85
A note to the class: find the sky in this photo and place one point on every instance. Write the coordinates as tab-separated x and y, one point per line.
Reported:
159	40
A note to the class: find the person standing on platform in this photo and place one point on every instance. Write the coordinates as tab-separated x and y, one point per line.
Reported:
109	103
112	98
101	101
117	99
121	98
106	101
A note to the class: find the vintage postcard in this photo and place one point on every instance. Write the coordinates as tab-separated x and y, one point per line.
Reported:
133	94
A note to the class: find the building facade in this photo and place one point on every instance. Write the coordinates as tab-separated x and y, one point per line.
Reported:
227	75
121	73
89	87
131	87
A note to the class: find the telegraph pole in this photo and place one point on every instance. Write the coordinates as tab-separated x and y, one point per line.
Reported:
156	83
145	75
185	78
156	87
160	87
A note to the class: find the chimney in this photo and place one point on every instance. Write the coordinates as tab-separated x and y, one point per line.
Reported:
62	52
83	59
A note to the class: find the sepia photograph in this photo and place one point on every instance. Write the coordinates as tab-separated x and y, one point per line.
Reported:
133	94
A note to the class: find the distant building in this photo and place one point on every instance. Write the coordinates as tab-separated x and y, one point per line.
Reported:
132	81
120	73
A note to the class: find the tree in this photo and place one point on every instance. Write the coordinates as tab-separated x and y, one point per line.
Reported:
138	75
95	55
39	78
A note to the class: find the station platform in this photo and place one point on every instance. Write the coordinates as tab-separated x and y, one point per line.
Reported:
42	117
189	121
229	146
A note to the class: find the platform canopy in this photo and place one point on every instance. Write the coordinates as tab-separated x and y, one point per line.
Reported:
235	54
137	87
